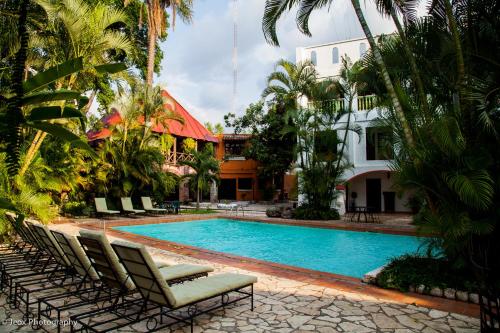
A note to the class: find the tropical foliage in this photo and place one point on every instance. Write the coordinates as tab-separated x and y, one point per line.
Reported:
131	159
205	170
305	121
57	57
443	107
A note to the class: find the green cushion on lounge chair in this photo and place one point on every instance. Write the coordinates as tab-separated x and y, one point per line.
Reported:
128	207
152	283
148	205
76	249
111	256
102	207
182	270
200	289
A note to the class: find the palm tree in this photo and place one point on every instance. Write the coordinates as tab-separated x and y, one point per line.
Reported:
276	8
206	170
290	83
157	25
77	30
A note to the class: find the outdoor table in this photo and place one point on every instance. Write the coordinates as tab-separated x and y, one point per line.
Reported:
367	213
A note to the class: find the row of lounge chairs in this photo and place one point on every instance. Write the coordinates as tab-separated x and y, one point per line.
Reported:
101	286
128	207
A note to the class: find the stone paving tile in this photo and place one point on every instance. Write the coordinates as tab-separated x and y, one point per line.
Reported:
283	305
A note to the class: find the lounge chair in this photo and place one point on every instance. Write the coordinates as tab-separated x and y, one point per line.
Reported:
129	208
159	301
148	206
101	207
93	241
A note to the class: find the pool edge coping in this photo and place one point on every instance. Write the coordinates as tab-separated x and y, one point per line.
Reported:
336	281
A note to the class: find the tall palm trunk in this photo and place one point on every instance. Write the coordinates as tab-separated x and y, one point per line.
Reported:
15	117
385	74
198	197
151	56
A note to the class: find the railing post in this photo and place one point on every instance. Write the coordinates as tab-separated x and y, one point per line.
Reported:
175	150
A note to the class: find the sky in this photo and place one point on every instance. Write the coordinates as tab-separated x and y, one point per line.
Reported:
197	66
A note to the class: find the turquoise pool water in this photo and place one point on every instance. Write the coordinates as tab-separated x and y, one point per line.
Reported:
349	253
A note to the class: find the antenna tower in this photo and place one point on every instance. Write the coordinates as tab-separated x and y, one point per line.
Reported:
235	56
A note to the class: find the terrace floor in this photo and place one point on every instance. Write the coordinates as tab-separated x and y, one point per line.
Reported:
291	303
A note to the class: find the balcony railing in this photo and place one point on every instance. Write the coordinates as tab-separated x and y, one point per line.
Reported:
174	158
331	104
366	103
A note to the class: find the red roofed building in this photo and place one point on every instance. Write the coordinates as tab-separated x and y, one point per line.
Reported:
238	175
180	131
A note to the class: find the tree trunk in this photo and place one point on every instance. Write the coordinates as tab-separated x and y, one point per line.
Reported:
198	197
151	56
385	74
456	40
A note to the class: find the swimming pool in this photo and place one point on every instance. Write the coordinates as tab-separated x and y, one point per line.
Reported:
343	252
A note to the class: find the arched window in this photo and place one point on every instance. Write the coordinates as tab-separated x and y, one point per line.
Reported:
314	58
362	49
335	55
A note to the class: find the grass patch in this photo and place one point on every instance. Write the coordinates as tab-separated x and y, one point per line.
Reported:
198	211
414	270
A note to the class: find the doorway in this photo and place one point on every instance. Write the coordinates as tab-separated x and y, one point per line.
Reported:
374	194
227	189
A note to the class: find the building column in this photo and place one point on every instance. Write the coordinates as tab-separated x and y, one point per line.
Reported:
214	192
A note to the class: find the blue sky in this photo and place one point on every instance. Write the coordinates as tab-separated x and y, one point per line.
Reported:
197	67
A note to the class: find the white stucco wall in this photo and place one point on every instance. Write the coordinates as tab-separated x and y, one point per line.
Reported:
356	144
325	66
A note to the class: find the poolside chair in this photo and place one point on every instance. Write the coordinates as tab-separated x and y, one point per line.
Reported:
159	301
93	241
148	206
129	208
101	207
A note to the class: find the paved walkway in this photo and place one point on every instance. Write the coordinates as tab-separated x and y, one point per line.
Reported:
284	305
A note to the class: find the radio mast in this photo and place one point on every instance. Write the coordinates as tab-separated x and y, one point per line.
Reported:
235	56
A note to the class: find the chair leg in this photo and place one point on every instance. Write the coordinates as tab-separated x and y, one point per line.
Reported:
251	298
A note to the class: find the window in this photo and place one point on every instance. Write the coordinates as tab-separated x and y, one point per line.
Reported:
314	59
244	184
379	143
234	148
335	55
362	49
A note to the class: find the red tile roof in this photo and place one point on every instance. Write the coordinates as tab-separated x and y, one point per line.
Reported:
191	128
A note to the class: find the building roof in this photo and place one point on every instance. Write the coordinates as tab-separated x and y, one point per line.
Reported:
191	128
236	137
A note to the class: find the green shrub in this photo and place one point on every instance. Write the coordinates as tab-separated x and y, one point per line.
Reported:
414	270
76	208
305	212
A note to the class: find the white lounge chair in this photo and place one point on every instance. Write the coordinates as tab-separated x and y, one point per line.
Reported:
148	206
102	208
129	208
170	273
227	287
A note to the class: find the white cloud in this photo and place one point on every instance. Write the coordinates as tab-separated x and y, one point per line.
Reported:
197	68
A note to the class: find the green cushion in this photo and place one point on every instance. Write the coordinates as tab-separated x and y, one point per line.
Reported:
214	285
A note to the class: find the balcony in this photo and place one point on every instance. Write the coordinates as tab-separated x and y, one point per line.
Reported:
174	158
361	103
366	103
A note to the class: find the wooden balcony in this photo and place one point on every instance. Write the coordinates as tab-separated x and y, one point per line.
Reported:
173	158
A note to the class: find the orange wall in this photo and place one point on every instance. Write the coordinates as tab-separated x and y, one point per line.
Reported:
234	169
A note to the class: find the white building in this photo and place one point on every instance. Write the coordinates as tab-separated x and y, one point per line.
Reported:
370	181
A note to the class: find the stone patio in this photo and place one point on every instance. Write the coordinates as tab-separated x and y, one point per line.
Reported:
284	305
